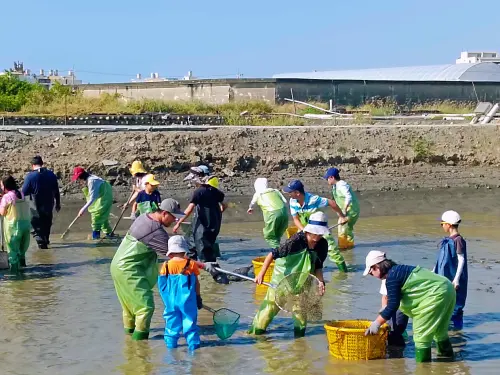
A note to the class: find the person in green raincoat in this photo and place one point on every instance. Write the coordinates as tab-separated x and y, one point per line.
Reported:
99	196
149	199
427	298
134	267
304	252
273	206
16	223
348	202
303	204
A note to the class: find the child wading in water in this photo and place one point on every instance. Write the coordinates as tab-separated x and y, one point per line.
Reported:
180	291
452	263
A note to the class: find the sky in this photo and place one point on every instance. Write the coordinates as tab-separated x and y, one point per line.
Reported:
112	41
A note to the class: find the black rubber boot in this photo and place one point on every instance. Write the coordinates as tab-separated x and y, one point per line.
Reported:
445	349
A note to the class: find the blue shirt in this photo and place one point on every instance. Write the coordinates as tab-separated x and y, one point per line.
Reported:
396	278
312	203
154	197
41	184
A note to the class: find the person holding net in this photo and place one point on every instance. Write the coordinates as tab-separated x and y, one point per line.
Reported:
302	254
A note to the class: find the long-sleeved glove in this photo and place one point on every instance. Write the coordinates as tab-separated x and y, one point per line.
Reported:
199	302
342	267
373	329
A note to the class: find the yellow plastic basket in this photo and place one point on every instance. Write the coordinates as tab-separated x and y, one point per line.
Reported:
257	266
347	340
290	231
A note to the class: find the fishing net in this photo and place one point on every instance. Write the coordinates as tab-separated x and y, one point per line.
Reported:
298	293
225	323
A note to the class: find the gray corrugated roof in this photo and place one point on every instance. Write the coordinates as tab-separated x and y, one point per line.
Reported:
479	72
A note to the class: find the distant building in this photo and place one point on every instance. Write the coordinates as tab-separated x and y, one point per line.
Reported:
41	78
478	57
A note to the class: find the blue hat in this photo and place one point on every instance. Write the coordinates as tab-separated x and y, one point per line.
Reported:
295	185
332	172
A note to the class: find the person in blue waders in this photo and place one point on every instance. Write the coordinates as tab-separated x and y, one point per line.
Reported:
180	291
452	263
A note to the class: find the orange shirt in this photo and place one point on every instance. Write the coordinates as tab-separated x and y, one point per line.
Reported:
176	265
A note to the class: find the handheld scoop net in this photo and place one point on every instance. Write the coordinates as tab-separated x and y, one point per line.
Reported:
298	293
225	322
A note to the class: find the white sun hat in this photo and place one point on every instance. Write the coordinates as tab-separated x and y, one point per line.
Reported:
373	257
451	217
177	245
317	224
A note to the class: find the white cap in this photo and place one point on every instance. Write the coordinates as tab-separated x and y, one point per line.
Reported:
451	217
317	224
373	257
176	245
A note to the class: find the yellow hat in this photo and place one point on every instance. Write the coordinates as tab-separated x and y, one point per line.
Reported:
150	179
137	168
213	181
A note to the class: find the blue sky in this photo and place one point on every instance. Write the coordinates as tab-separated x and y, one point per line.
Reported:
258	38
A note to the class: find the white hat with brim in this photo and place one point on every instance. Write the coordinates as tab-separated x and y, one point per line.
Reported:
317	224
374	257
177	245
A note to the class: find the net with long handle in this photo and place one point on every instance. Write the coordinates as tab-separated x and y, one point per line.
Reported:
299	293
225	322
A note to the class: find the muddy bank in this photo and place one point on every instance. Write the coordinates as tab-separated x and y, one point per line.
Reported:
372	159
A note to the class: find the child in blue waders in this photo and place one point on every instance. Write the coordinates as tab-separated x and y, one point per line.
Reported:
452	263
180	291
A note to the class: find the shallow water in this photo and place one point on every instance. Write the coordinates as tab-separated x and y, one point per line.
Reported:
64	317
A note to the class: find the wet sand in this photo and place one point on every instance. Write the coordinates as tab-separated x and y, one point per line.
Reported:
64	317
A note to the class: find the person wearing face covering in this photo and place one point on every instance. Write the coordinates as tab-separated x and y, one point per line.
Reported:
273	206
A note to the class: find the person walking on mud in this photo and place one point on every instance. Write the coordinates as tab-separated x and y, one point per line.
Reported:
16	223
303	205
138	173
207	204
42	187
345	198
99	196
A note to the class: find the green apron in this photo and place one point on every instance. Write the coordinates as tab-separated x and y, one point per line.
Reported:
135	272
146	208
428	299
101	208
346	231
299	262
17	228
333	251
275	216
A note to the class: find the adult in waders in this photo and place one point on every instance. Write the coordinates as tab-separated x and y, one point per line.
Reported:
207	204
99	196
16	223
345	198
427	298
273	206
134	267
304	252
42	186
303	205
138	173
149	199
452	263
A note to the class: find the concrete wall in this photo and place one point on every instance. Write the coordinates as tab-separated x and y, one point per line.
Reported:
209	91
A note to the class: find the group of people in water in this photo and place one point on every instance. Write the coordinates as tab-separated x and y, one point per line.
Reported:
431	298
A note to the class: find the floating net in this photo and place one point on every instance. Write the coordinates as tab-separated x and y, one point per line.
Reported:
298	293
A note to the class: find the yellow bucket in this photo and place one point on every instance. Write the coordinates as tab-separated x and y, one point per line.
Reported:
347	340
290	231
257	266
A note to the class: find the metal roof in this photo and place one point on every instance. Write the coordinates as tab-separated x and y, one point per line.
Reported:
479	72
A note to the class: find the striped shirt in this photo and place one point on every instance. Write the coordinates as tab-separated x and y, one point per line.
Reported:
312	203
396	278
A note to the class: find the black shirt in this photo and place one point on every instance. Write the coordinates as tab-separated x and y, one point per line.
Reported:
298	243
207	200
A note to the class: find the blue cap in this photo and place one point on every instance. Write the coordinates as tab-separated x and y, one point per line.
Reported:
295	185
332	172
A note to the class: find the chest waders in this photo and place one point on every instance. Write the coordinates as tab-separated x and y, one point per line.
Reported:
428	299
16	227
333	251
275	217
299	262
101	208
178	292
146	208
346	231
135	272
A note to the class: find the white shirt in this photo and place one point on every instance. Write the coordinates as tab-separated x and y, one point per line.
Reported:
383	288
